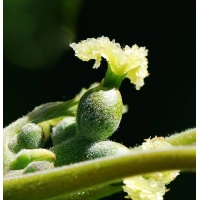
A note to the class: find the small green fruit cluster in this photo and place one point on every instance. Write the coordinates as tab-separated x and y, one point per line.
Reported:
74	138
98	116
26	147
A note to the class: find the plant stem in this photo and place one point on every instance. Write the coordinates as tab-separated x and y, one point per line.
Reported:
112	80
95	193
187	137
88	174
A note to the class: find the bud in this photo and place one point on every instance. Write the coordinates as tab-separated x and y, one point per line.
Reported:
29	137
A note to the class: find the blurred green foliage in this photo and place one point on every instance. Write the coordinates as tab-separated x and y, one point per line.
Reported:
37	32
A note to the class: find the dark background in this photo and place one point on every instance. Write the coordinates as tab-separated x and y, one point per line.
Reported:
164	105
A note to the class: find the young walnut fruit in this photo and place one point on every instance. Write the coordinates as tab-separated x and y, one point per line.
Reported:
99	113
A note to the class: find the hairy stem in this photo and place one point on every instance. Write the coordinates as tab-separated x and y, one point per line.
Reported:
94	193
187	137
88	174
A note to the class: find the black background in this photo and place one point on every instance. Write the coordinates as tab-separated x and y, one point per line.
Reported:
164	105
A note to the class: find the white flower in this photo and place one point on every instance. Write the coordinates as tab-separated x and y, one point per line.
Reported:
131	61
150	186
140	188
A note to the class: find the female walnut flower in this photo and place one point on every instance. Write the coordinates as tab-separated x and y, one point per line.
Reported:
130	62
150	186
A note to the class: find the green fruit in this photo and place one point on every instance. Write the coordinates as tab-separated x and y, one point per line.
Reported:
99	113
79	149
71	151
63	130
106	148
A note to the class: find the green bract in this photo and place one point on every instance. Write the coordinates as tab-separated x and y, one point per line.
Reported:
25	157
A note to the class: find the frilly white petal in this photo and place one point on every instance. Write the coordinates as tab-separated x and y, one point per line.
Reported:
131	61
150	186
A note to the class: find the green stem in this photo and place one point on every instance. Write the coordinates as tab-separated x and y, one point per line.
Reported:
88	174
39	114
187	137
112	80
95	193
